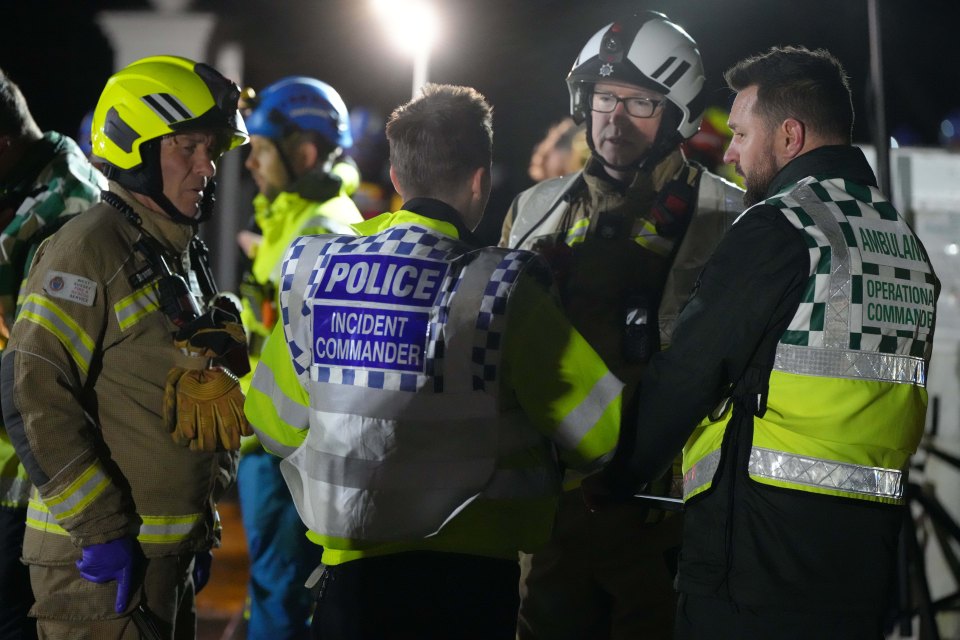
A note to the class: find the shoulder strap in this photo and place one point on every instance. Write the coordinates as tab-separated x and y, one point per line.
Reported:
545	197
676	202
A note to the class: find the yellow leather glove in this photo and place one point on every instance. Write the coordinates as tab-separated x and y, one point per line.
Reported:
203	409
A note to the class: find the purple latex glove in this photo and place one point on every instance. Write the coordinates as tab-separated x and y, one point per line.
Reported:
201	569
110	561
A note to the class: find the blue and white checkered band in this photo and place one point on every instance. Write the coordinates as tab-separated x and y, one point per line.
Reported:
491	320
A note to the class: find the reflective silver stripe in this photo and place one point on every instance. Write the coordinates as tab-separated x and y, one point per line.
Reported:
578	232
153	530
331	226
293	413
576	424
844	363
701	474
168	107
826	474
135	306
167	529
14	492
445	439
66	331
523	484
411	475
39	518
79	494
387	405
272	445
836	329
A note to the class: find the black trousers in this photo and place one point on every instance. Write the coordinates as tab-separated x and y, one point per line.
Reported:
706	618
419	595
16	596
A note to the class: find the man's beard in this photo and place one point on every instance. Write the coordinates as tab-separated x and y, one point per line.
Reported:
758	182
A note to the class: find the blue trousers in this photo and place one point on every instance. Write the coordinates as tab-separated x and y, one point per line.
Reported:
16	596
281	556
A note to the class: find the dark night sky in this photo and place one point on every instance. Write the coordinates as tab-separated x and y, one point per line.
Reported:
517	52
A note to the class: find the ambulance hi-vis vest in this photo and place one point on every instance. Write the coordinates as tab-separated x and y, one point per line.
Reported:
396	338
846	402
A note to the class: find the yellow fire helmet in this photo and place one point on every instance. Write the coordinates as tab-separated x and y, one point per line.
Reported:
159	95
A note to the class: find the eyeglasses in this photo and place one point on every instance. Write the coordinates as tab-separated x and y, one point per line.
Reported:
635	106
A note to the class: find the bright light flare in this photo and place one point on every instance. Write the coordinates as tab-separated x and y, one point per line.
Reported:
413	25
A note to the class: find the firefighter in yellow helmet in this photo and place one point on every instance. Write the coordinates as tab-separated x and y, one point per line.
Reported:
118	391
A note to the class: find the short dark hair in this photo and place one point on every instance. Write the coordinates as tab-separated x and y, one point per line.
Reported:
794	82
15	118
440	138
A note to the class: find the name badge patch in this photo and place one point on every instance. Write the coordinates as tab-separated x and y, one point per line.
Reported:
373	311
67	286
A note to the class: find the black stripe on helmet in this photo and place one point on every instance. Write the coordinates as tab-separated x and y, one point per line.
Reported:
118	131
158	108
677	74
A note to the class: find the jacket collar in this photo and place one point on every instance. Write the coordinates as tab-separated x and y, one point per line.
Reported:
835	161
444	213
643	182
173	235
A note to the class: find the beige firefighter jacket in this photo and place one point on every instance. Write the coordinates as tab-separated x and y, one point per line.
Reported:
88	358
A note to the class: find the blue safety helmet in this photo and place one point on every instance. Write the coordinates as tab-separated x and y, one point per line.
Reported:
298	103
83	133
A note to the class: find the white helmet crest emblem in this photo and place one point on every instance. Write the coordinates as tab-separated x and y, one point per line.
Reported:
606	69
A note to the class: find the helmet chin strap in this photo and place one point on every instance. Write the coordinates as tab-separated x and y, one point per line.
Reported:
663	145
147	179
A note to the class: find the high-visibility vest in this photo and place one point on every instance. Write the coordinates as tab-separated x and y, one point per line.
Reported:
847	398
397	339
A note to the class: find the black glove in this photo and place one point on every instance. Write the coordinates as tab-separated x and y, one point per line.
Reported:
217	333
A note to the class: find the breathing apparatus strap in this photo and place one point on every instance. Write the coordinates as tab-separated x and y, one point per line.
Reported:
175	298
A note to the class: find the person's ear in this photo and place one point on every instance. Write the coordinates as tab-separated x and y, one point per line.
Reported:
793	135
307	156
478	184
396	183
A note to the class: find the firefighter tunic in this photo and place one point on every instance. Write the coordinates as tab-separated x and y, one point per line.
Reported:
83	386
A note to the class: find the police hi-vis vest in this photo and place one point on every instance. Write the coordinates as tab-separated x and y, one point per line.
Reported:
396	338
846	402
